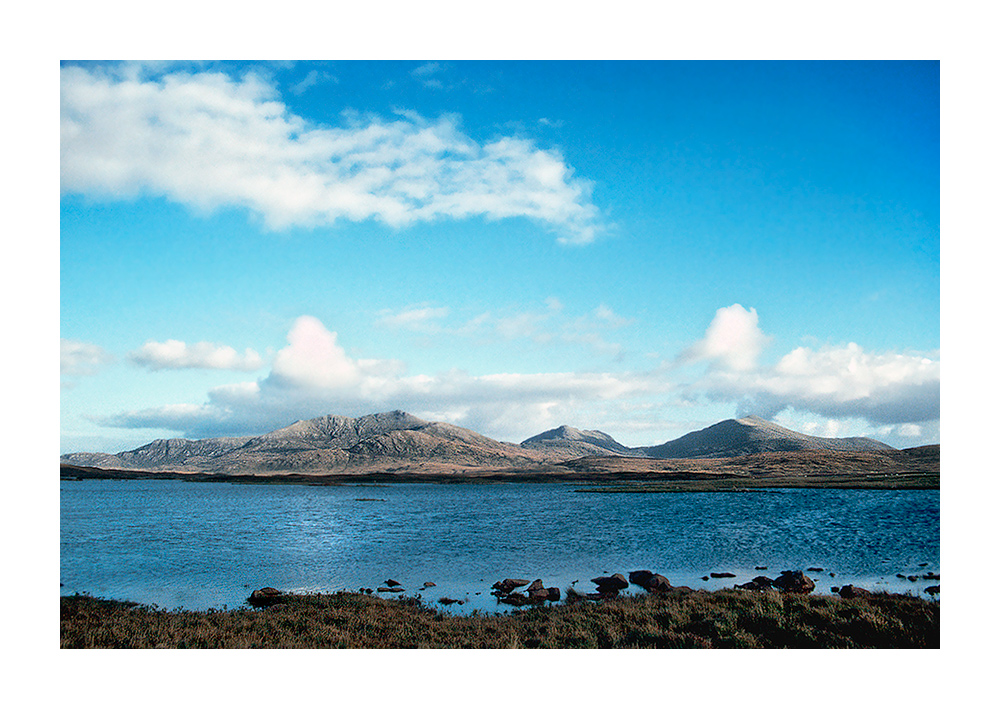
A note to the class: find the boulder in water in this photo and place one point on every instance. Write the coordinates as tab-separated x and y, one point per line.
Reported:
794	582
615	583
508	585
759	583
267	596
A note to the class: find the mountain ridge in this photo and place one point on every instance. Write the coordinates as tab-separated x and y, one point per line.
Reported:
325	443
397	440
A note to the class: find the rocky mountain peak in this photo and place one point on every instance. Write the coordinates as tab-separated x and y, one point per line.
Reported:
566	441
752	434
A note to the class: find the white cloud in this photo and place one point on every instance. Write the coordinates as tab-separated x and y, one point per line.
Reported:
78	359
551	326
427	74
313	78
898	435
542	326
733	340
837	382
208	140
313	375
826	391
175	354
606	316
428	69
421	318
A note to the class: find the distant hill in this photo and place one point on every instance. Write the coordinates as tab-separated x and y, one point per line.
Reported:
567	442
328	443
749	435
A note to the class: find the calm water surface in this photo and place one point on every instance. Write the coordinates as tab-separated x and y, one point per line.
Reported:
203	545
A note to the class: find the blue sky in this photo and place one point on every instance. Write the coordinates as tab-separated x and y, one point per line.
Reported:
643	248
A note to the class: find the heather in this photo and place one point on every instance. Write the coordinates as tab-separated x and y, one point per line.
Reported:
678	619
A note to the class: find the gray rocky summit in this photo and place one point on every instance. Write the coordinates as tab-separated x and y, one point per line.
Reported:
569	442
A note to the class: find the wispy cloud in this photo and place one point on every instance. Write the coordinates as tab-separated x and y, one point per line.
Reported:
80	359
420	318
429	75
208	140
542	326
175	354
313	78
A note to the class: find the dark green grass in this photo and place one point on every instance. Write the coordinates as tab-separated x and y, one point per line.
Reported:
721	619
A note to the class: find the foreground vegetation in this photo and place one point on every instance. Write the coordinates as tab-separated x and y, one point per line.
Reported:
696	619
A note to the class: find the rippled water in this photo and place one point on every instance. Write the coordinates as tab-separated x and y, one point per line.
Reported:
196	545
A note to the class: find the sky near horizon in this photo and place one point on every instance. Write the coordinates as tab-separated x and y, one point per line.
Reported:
643	248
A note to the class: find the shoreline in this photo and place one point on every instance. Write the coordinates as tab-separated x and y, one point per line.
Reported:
757	472
727	618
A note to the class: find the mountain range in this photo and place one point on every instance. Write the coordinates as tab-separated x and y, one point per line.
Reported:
398	441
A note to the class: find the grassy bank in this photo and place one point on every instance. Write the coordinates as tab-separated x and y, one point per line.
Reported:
721	619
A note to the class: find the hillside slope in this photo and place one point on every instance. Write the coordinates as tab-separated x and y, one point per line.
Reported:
749	435
566	442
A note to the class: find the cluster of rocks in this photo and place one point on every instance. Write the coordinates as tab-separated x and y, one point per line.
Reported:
393	586
612	586
787	582
798	582
926	577
536	592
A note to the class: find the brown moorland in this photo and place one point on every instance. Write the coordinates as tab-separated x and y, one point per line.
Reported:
914	468
680	619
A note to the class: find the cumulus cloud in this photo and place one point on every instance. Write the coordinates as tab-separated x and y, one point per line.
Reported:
313	375
840	383
208	140
837	382
77	359
175	354
733	340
